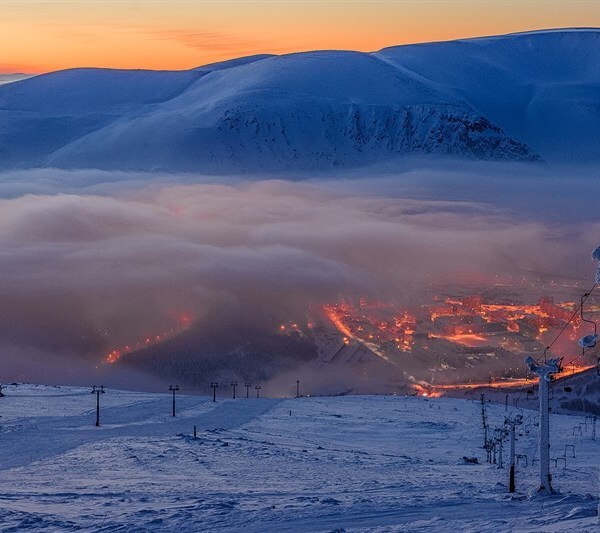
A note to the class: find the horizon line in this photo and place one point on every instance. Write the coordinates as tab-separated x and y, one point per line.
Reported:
303	51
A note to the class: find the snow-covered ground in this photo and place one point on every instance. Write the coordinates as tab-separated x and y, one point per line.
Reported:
353	463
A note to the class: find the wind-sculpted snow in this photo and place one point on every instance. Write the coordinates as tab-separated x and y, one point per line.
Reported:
354	463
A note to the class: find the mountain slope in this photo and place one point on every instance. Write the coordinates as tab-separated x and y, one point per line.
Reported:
542	88
11	78
313	110
517	97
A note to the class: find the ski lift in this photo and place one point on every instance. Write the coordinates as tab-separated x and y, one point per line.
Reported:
587	341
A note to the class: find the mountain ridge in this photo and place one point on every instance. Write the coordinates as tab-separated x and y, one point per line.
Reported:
528	97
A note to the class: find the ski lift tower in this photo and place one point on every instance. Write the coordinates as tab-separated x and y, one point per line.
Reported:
545	372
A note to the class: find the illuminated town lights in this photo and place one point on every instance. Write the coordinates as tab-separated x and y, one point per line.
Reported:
184	321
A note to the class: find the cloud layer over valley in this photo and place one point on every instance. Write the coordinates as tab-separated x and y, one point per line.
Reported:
93	261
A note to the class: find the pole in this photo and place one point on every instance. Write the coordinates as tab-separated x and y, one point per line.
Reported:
258	387
297	388
97	390
511	482
545	371
234	384
214	388
97	408
500	446
544	437
513	422
484	421
173	388
248	385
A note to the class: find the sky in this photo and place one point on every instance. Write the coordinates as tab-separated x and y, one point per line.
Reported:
41	36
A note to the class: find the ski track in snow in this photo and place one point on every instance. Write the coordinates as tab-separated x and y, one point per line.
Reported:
370	463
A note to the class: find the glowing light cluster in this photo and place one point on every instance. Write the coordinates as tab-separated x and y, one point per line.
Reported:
435	391
478	329
375	323
426	390
184	321
292	327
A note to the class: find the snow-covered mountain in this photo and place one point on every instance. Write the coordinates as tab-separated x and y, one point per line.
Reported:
10	78
542	88
517	97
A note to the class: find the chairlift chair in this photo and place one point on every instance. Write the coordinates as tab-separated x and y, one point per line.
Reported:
587	341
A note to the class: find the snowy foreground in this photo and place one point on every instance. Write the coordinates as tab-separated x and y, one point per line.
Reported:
370	463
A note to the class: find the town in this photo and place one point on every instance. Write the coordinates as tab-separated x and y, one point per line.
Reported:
467	336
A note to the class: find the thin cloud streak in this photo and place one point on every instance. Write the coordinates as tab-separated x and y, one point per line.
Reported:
210	40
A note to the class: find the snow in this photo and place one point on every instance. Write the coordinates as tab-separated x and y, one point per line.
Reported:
588	341
85	91
353	463
10	78
221	65
521	97
298	111
539	87
596	256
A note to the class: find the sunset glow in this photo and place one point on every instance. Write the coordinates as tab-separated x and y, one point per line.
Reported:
41	36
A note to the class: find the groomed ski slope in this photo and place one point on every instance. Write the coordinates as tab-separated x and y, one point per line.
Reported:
353	463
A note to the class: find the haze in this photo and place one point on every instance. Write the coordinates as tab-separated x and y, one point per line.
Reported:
96	260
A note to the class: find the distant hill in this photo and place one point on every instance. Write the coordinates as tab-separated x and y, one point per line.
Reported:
527	97
10	78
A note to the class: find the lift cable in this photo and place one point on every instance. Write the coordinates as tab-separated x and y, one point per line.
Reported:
575	313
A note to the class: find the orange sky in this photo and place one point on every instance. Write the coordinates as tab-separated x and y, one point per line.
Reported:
40	36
